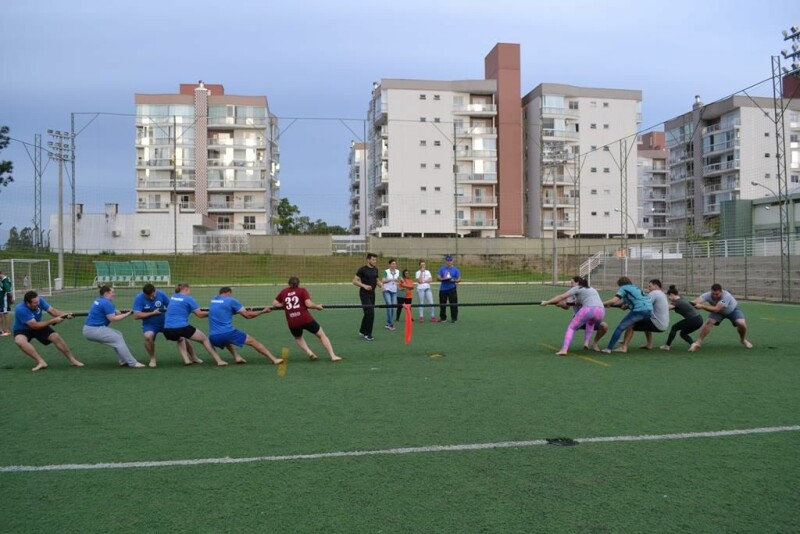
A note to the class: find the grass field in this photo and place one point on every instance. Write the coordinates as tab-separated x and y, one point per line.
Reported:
441	435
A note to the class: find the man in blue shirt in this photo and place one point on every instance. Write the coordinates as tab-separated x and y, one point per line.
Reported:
95	328
638	305
151	306
449	276
221	331
177	327
28	325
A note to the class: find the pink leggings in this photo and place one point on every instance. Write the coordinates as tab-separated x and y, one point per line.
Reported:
590	316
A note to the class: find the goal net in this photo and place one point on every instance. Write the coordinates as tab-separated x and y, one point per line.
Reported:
26	275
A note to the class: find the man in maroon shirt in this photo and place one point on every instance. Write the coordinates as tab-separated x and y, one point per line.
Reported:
296	302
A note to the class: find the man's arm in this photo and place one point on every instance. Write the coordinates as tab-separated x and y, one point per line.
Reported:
357	282
252	314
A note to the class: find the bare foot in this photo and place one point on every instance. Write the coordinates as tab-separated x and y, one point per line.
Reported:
277	361
195	359
694	347
75	363
313	357
747	344
595	347
222	363
586	347
39	367
239	360
152	363
621	349
138	366
646	347
335	358
561	353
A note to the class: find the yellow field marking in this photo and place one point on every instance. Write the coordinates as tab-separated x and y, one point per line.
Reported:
584	358
285	362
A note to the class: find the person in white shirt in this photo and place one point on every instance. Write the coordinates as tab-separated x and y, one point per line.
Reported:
390	277
424	279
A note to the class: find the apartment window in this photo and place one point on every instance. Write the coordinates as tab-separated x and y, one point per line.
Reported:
423	142
423	165
423	212
573	105
593	192
593	126
605	126
437	165
437	97
592	104
606	169
437	188
607	213
766	175
436	119
606	148
423	188
593	169
766	134
795	179
437	212
422	119
794	138
605	104
423	97
594	213
593	147
437	143
766	154
249	222
606	191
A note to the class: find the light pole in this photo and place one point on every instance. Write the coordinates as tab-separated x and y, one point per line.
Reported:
61	151
625	231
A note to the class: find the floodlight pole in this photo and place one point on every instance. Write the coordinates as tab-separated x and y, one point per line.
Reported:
60	151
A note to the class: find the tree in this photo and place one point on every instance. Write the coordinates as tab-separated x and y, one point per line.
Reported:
287	218
20	240
5	166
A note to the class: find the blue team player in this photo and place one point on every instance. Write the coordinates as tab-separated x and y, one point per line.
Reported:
177	327
222	332
101	314
150	306
28	325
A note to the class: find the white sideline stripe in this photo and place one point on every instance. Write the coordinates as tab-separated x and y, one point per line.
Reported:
382	452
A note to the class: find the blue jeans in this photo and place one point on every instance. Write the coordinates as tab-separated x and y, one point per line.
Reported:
390	298
627	321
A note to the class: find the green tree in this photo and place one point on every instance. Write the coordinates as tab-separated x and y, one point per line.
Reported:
5	166
288	215
20	240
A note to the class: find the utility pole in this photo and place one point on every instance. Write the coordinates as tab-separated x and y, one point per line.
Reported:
61	151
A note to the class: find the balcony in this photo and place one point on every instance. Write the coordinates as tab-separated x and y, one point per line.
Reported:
551	201
236	184
187	206
236	205
477	177
720	127
481	200
166	184
475	109
249	122
476	223
560	223
152	205
724	146
718	168
257	142
473	154
552	133
240	163
560	112
475	130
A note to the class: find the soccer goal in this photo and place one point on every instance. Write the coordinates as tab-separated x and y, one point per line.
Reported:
28	275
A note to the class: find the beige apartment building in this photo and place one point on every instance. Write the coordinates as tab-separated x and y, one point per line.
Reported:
209	154
444	156
579	161
358	219
653	181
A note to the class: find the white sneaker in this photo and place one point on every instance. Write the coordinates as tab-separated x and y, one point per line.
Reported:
664	347
694	347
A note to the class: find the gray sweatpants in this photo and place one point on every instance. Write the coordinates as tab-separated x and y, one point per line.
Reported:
112	338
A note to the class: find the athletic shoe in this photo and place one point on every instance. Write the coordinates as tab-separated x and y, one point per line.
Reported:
369	338
389	327
422	319
434	319
453	321
664	347
694	347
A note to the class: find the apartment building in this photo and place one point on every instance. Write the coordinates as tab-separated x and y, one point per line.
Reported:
442	159
653	195
358	219
210	154
717	152
579	161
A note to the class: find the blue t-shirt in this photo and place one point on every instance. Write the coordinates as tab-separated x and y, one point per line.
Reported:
220	314
160	302
180	307
97	313
23	314
447	283
633	297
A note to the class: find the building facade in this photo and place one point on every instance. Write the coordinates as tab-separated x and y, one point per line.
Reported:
211	154
653	194
358	219
579	161
717	152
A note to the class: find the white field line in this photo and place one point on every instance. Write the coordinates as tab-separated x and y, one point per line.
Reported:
386	452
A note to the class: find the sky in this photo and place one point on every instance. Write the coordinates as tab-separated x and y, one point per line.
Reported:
315	61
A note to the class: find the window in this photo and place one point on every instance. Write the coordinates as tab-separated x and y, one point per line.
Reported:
592	104
423	212
606	191
437	143
594	213
249	222
605	104
593	192
423	142
422	97
606	169
437	165
422	119
593	169
605	126
593	147
606	148
766	134
437	212
423	188
573	105
593	126
423	165
436	119
766	154
766	175
795	179
437	97
607	213
437	188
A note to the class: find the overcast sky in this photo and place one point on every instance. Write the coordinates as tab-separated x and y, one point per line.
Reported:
316	61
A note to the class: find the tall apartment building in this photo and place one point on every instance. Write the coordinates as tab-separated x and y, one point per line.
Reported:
443	156
358	220
653	197
717	150
579	149
209	153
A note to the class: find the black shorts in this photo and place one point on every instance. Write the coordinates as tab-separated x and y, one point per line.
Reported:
175	334
645	325
313	327
40	335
